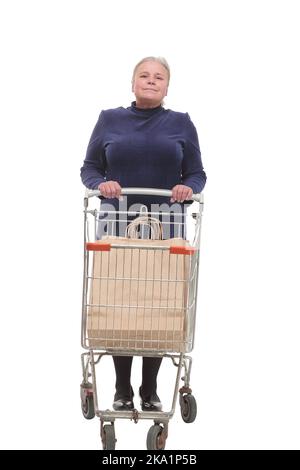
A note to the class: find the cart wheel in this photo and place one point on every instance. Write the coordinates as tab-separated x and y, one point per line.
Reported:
108	437
155	438
88	408
188	408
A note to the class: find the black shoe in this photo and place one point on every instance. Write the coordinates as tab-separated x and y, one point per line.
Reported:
150	402
123	402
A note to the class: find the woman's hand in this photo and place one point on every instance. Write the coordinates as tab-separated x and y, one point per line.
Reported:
181	193
110	189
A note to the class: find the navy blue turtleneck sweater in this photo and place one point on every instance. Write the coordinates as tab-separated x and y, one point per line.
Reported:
151	148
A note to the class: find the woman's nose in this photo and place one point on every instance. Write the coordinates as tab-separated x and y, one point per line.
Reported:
151	81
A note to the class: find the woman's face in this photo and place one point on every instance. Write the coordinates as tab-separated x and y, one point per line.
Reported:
150	84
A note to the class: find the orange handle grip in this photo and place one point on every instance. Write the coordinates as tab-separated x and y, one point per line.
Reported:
182	250
93	246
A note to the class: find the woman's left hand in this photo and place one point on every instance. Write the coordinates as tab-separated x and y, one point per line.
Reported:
181	193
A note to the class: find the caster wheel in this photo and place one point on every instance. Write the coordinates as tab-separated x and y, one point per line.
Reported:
108	437
188	408
87	400
88	408
155	438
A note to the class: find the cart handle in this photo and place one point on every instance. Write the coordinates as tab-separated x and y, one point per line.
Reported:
144	192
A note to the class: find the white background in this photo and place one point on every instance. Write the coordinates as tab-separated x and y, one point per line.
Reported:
235	69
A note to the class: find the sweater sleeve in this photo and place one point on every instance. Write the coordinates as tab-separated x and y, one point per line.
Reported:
193	174
94	166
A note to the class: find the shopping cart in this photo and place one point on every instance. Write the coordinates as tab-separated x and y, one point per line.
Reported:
139	299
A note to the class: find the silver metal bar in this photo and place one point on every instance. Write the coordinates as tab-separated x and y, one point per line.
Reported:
107	285
136	214
138	290
107	415
84	285
115	290
175	395
143	192
122	305
94	381
141	247
187	366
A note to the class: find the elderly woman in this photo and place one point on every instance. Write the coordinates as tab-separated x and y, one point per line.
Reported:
144	145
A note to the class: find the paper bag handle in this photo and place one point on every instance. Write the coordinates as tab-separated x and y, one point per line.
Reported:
151	222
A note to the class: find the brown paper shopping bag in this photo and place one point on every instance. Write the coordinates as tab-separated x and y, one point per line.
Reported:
138	295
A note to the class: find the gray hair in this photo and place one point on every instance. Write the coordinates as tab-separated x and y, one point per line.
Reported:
160	60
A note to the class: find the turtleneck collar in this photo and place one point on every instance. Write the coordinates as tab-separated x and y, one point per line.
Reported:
144	111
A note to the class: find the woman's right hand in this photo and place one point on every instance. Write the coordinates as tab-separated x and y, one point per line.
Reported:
110	189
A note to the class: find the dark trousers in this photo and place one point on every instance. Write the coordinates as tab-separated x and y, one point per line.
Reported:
150	370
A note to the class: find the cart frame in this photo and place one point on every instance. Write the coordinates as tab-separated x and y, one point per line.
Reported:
158	433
